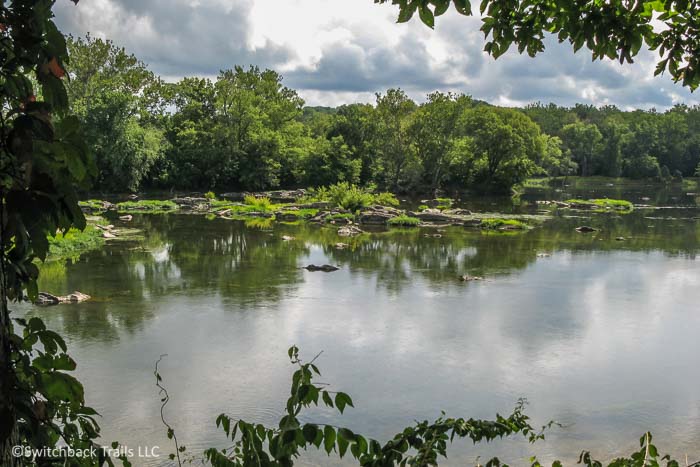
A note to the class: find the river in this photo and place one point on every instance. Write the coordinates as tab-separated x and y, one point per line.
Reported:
598	334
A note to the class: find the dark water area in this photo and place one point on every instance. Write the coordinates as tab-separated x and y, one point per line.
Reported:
597	333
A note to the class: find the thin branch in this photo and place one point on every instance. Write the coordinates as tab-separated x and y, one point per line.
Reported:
165	401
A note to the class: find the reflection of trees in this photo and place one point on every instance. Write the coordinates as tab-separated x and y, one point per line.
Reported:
247	266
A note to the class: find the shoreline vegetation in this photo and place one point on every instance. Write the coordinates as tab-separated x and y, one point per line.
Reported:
343	205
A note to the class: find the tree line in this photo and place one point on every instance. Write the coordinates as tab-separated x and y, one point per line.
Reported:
245	130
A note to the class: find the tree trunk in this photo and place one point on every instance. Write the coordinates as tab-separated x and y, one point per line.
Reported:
8	418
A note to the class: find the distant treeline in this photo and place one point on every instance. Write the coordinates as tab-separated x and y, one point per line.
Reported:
247	131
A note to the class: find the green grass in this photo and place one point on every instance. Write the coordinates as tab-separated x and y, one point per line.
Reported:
603	203
444	203
339	215
147	205
74	242
503	224
259	204
404	220
93	204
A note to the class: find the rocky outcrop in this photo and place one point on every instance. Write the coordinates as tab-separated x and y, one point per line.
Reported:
435	216
375	217
46	299
324	268
192	203
287	216
283	196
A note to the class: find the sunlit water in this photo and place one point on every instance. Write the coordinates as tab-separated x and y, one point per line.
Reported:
601	336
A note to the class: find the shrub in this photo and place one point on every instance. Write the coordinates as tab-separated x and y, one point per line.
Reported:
404	220
210	195
503	224
423	207
259	204
386	199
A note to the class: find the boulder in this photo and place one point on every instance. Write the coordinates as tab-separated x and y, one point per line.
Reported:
126	218
287	238
436	217
375	217
106	234
457	212
233	196
324	268
283	196
586	228
287	216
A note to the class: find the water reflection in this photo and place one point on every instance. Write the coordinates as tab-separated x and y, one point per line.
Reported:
576	332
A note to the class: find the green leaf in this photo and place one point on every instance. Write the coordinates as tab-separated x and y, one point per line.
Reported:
310	431
328	438
60	386
341	400
342	446
426	16
327	399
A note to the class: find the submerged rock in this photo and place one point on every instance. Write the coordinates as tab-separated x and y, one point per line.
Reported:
586	228
324	268
349	231
468	278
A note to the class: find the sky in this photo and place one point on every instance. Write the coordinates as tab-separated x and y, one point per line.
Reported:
342	51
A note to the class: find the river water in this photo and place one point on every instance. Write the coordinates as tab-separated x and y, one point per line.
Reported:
598	334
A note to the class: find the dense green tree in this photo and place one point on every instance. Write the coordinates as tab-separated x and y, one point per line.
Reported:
432	129
505	145
112	93
358	127
584	142
398	160
329	162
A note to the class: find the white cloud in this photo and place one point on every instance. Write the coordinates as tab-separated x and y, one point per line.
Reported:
339	51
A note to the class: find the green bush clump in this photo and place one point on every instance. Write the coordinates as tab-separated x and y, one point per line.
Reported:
386	199
444	203
210	195
503	224
259	204
423	207
74	242
602	203
404	220
348	196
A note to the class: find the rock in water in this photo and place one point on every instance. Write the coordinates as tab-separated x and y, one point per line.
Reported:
46	299
468	278
126	218
586	228
324	268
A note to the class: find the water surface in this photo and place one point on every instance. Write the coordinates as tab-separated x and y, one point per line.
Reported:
598	334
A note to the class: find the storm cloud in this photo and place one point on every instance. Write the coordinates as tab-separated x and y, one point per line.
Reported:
339	51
